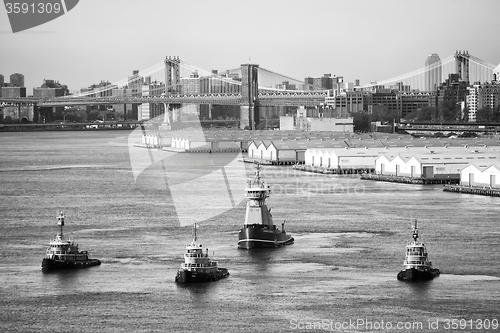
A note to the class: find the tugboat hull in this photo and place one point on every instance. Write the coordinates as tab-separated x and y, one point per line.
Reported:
413	274
51	264
260	237
184	276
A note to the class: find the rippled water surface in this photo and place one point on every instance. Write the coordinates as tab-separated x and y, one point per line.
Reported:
350	238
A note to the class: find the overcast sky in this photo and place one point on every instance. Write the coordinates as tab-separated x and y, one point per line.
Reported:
370	40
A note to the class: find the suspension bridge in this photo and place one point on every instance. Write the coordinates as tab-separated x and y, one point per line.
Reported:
173	82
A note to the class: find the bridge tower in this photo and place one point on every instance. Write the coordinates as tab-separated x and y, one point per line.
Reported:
249	107
172	86
462	62
172	75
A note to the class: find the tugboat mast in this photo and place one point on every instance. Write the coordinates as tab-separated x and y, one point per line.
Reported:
256	193
257	173
60	222
415	231
195	226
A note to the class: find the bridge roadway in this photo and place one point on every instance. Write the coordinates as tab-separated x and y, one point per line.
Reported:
266	98
108	124
70	126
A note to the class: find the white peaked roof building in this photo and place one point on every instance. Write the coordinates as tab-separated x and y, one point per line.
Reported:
376	157
486	175
253	149
433	164
344	158
286	151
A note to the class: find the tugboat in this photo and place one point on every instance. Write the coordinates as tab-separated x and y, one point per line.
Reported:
197	266
259	230
417	266
63	253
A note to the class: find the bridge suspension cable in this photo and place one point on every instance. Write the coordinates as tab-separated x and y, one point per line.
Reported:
416	79
122	84
486	64
270	80
478	71
204	73
481	71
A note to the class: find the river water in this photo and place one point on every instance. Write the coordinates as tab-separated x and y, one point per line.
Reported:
340	275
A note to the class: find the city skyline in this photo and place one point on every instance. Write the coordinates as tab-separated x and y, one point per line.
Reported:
369	41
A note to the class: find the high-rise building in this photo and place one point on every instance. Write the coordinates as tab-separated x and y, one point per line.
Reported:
99	89
343	104
453	90
210	85
320	83
45	92
324	82
2	80
383	99
480	96
13	92
412	101
135	83
285	85
17	80
433	72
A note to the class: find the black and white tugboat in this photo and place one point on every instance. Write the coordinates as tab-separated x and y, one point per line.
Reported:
259	230
197	266
417	266
62	253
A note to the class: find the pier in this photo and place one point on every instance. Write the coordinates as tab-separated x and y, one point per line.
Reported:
335	171
409	180
492	192
266	162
